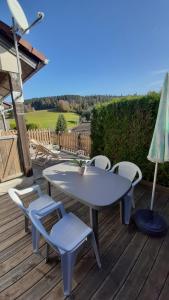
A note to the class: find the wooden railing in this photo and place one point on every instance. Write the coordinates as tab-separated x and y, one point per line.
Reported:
42	136
66	141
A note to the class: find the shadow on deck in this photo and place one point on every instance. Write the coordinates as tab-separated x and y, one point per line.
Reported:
133	265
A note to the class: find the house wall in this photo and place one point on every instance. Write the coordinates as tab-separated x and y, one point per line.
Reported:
8	61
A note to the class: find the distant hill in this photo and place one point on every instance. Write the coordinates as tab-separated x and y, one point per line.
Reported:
66	103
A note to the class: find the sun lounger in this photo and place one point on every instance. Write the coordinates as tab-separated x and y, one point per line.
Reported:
42	151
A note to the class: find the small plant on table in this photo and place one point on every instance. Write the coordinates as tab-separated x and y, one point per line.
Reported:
81	164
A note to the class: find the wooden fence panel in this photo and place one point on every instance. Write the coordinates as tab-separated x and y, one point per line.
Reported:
85	141
54	138
42	136
75	141
9	158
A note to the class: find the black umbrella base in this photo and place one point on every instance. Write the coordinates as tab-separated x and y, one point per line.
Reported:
150	222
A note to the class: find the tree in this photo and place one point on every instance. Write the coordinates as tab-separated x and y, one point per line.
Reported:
61	125
63	106
86	115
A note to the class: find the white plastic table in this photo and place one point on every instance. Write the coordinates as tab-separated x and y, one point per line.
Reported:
96	189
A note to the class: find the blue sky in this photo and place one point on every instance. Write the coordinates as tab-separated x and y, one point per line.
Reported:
98	46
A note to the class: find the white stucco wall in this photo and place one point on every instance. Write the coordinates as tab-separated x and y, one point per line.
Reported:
8	61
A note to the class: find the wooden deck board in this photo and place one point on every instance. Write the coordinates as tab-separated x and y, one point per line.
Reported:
139	274
119	272
133	265
160	269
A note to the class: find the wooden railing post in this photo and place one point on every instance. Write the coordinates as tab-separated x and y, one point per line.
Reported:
59	140
18	105
79	145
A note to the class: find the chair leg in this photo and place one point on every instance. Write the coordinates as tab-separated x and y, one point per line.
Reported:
35	239
27	224
133	202
67	264
95	248
132	197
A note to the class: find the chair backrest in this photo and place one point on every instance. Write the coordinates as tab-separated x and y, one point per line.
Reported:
36	218
13	193
128	170
100	161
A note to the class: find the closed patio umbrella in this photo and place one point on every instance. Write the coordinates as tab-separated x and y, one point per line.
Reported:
159	148
147	220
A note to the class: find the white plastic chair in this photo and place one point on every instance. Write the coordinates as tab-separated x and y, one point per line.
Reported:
66	238
43	201
132	172
100	161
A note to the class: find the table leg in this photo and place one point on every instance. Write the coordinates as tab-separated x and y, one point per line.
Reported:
49	193
26	224
126	205
49	188
94	223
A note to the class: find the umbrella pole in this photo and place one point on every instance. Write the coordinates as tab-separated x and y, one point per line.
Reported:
154	185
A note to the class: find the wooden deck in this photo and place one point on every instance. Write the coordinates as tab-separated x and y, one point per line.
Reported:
133	265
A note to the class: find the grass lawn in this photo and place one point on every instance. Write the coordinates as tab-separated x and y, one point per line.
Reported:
48	118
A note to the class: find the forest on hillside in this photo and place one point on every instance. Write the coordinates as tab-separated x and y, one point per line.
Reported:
81	105
66	103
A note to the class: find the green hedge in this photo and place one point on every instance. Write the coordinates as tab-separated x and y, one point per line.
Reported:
122	130
29	126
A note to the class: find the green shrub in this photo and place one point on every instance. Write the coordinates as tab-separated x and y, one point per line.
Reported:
30	126
123	131
12	125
